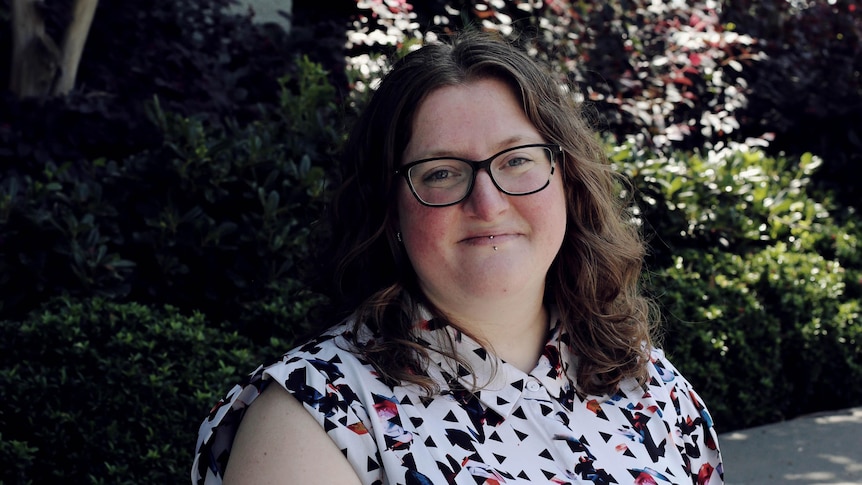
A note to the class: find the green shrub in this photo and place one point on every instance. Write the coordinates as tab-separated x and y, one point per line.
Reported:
214	219
724	340
765	337
222	218
101	392
759	282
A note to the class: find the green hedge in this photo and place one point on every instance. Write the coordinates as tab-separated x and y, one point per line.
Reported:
179	269
759	280
102	392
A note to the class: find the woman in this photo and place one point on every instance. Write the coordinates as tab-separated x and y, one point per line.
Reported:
499	335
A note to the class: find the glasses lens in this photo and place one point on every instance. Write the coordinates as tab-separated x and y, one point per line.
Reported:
440	182
522	170
517	171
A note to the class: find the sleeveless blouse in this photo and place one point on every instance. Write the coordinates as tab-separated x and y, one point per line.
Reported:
517	428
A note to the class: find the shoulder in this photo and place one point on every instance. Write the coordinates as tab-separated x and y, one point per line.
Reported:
695	432
664	375
326	377
263	451
661	368
327	363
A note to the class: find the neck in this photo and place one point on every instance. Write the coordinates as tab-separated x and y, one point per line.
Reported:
513	331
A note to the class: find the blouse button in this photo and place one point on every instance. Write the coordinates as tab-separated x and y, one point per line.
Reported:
533	386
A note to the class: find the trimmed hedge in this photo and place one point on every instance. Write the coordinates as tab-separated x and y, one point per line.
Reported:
102	392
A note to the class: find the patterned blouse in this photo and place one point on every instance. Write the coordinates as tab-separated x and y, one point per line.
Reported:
517	428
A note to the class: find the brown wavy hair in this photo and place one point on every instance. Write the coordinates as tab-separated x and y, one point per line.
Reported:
594	280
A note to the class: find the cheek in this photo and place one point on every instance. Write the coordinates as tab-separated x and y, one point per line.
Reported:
417	223
410	211
421	246
552	210
553	219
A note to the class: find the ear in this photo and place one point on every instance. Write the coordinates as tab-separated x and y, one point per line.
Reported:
397	249
392	233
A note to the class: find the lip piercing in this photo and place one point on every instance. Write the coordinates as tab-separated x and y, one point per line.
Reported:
491	238
495	248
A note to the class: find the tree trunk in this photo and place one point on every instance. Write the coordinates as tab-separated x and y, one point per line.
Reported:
35	57
39	67
73	44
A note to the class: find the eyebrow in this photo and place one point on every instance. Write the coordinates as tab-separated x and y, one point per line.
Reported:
509	142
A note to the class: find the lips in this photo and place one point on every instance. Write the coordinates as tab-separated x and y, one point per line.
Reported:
490	238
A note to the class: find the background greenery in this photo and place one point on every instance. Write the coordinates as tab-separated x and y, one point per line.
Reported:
157	226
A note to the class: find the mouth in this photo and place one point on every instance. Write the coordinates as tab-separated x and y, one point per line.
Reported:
490	239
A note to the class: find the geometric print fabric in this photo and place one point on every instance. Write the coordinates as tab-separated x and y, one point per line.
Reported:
517	428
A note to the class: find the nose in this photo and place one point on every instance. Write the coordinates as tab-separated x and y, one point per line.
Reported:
485	201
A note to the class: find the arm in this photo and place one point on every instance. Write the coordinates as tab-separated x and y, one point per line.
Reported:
280	442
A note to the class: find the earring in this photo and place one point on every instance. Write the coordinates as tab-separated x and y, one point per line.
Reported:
398	236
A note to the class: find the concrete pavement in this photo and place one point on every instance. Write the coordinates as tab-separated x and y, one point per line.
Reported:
822	449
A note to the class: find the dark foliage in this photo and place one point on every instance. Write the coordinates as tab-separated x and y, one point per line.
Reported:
197	59
176	171
808	91
214	219
101	392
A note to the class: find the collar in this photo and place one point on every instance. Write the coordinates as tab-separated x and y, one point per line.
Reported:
498	385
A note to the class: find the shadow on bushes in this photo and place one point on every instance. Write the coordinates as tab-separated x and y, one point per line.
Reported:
102	392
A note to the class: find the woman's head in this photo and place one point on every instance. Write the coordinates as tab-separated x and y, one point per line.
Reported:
484	213
377	146
592	278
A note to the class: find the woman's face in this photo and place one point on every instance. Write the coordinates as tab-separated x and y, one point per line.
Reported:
456	260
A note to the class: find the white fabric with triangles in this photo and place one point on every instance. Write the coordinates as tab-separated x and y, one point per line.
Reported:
518	428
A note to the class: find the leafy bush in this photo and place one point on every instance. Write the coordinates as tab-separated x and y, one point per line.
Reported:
101	392
808	90
667	74
760	284
213	220
723	338
205	199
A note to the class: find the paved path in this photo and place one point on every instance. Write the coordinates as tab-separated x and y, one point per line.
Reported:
822	449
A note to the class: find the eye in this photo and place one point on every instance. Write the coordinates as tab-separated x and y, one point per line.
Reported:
516	162
439	173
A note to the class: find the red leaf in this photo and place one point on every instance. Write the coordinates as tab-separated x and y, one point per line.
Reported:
694	58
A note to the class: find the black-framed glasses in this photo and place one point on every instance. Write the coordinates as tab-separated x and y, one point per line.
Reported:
520	170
